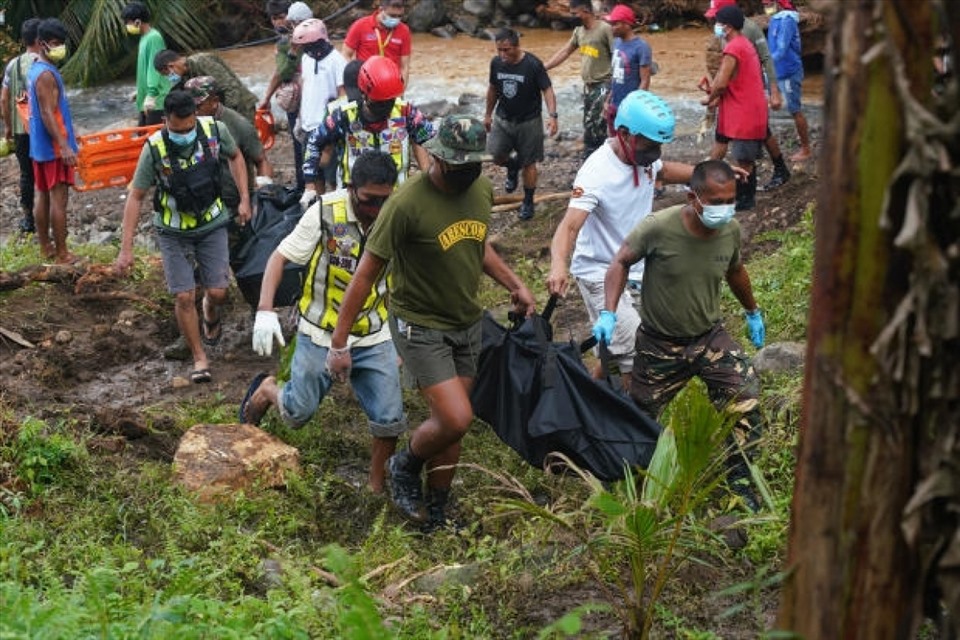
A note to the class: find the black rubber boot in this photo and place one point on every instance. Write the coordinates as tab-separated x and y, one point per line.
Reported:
781	174
747	192
406	486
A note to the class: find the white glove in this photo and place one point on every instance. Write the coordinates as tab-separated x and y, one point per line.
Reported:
150	103
307	199
265	328
262	181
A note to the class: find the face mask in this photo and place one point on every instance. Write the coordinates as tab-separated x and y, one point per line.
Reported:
174	78
389	21
370	207
183	139
133	28
282	30
57	53
715	216
646	157
718	30
460	179
379	111
770	10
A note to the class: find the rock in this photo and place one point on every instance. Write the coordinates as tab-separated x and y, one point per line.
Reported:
446	32
102	237
426	15
479	8
780	357
217	459
63	337
179	382
107	444
467	24
487	34
457	574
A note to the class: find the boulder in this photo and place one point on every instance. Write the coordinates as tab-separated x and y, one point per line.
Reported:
217	459
780	357
480	8
426	15
467	24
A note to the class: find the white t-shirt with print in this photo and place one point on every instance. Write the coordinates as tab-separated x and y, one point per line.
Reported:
320	78
604	188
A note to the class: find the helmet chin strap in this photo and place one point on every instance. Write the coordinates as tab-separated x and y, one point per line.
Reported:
631	154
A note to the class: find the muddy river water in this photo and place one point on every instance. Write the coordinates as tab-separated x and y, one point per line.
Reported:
455	71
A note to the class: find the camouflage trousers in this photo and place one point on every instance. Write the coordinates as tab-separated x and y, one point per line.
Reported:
594	117
664	365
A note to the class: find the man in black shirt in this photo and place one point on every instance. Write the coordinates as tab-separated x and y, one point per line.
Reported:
517	78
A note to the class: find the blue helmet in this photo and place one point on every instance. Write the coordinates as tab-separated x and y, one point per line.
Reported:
642	113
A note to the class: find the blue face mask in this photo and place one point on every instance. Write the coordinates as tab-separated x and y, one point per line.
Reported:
715	216
389	21
718	30
183	139
174	78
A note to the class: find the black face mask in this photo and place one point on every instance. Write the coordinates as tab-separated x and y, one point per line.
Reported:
318	50
646	157
377	111
460	179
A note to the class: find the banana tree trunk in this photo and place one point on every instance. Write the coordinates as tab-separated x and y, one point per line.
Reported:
874	539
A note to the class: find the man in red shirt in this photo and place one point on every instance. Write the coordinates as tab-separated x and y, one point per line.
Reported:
737	90
381	34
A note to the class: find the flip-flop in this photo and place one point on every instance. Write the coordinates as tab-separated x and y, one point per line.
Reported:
200	376
207	328
252	389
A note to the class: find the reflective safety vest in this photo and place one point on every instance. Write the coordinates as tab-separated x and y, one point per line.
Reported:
187	197
331	267
394	139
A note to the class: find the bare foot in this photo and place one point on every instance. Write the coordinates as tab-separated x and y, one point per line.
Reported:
68	258
47	250
800	156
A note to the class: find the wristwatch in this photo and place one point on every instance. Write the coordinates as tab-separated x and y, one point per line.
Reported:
554	115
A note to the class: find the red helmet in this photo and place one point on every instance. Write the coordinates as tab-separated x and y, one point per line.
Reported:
380	79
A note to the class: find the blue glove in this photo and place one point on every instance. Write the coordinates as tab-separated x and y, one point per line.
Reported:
755	327
603	329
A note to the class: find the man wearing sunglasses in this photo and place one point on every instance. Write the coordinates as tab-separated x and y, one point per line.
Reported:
329	239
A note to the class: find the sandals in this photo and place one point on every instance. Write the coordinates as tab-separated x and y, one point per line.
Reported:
243	415
201	376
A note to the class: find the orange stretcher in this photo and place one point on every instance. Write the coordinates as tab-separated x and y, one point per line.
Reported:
109	158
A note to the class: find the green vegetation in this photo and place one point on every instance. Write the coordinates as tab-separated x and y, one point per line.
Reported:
96	544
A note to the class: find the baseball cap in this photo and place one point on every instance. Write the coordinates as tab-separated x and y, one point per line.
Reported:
716	5
201	87
731	16
621	13
459	140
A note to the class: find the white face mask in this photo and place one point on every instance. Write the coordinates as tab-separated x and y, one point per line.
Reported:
718	30
715	216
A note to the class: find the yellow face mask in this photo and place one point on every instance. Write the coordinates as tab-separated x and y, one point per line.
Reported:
133	28
770	9
57	53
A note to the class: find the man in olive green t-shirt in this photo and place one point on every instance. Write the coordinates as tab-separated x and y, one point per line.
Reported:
433	234
594	40
688	251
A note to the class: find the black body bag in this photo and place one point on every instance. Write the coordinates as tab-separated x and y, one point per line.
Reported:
278	211
538	397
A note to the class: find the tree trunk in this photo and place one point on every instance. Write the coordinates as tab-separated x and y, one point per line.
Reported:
874	528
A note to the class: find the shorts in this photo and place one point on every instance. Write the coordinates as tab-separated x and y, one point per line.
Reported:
208	252
628	321
722	139
792	88
745	150
525	137
432	356
374	376
47	175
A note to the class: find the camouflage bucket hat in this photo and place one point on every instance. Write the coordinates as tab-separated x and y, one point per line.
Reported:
461	139
201	87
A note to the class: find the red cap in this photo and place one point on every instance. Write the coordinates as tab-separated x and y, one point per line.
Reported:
786	5
621	13
716	5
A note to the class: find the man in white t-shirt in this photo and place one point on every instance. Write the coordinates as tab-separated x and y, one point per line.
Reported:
321	72
612	193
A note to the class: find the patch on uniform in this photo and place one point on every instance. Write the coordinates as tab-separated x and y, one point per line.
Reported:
339	229
577	192
331	245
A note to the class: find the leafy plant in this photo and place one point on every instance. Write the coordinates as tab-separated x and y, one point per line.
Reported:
39	456
645	521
